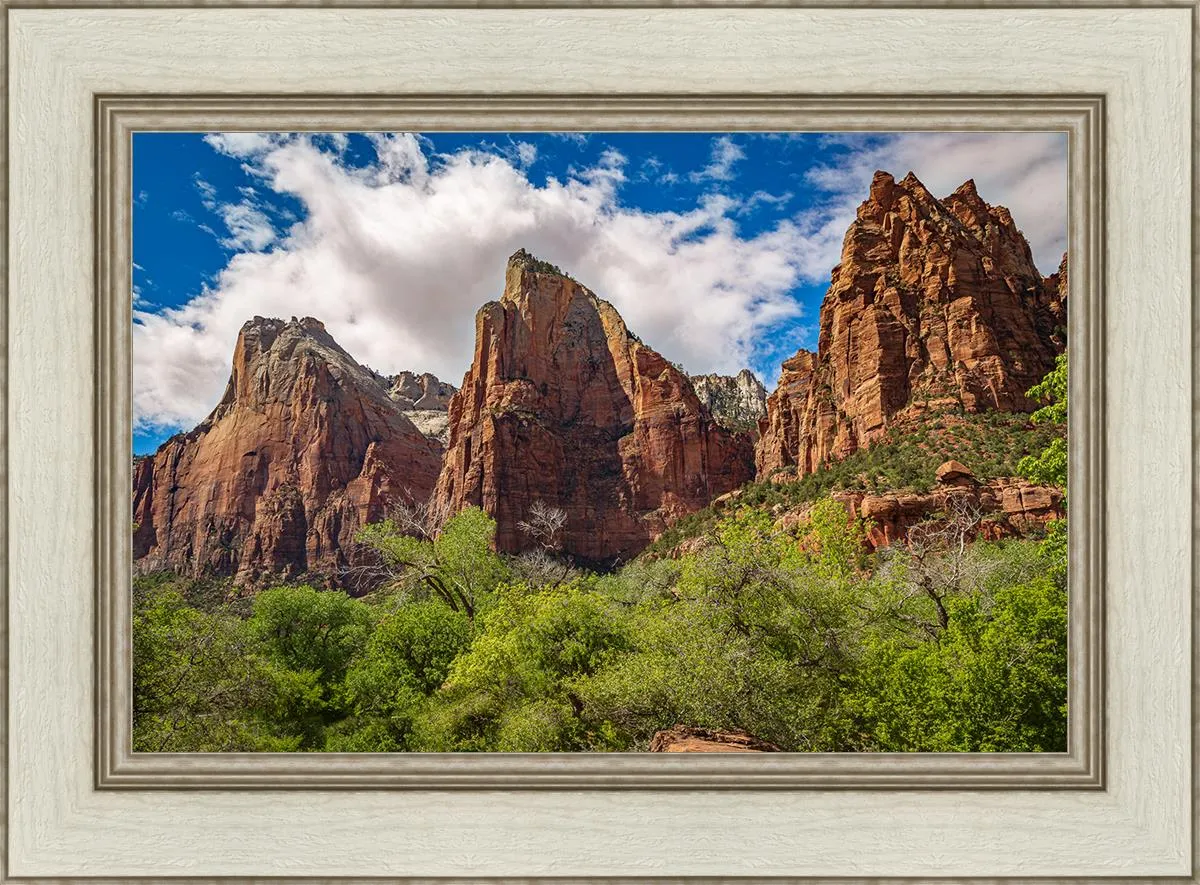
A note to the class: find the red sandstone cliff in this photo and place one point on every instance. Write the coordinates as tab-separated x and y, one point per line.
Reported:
935	304
304	448
563	404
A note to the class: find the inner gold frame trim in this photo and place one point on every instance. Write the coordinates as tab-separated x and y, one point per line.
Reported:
118	117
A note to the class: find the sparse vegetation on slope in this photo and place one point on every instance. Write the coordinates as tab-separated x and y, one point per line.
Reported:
906	458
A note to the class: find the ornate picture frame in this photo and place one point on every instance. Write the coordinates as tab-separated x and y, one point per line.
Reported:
80	804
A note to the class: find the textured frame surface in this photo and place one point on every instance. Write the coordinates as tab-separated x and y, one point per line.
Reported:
58	827
119	117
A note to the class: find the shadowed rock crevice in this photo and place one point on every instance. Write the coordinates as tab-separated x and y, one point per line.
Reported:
304	447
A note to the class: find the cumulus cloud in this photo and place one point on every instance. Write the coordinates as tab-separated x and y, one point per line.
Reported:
1025	171
398	255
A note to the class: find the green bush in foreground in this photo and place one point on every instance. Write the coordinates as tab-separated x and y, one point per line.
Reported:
798	638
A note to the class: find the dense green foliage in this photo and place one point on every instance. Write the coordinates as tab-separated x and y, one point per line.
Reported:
1050	464
799	637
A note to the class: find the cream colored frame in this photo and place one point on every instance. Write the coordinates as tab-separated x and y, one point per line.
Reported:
117	767
741	65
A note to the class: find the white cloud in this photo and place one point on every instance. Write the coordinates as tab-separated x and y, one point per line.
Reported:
526	153
242	145
249	227
397	257
720	168
1025	171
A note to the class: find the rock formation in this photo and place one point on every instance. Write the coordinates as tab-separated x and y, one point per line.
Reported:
304	447
935	304
425	401
737	402
998	508
563	404
685	739
424	391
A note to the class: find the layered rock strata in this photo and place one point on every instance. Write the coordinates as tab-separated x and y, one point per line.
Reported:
935	304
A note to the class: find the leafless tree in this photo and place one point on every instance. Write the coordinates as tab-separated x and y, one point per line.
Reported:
544	565
538	568
939	563
424	519
377	566
544	525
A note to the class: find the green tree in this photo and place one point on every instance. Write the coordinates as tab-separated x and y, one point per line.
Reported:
1050	465
309	637
757	634
453	562
513	690
405	661
200	682
994	680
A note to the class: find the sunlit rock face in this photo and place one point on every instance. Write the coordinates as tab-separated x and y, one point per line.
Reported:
935	304
563	404
304	448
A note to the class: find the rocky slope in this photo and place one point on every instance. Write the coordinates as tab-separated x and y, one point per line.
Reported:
738	402
936	304
563	404
998	508
425	401
304	448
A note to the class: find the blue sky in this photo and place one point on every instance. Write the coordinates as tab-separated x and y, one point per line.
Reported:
715	247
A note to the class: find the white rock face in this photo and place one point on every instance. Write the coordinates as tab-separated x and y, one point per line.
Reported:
433	423
738	402
424	391
424	400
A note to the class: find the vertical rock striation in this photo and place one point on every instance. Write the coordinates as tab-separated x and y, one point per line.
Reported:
738	402
935	304
304	448
563	404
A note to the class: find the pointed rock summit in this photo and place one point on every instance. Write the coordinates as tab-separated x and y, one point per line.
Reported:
935	304
303	449
563	404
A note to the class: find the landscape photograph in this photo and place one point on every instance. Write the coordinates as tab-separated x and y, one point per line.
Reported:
599	442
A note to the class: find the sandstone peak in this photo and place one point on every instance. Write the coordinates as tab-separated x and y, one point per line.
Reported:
425	400
272	356
524	260
303	449
967	189
883	185
564	405
737	402
936	303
